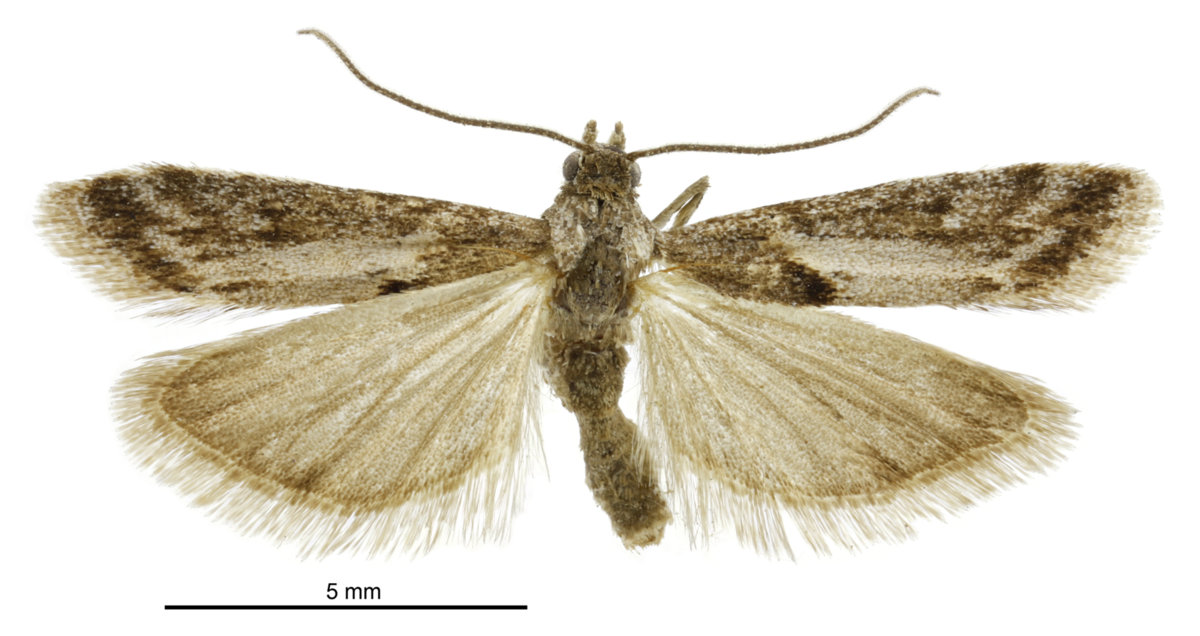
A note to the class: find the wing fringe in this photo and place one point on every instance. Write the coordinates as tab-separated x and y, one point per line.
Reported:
704	505
474	510
1108	260
706	497
61	225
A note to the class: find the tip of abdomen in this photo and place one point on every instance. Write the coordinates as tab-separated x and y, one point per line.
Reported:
623	480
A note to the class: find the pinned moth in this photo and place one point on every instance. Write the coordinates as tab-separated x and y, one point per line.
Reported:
407	415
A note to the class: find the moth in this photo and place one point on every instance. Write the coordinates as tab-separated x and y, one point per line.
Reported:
408	414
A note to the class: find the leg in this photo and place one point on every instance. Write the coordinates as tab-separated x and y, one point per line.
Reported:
683	205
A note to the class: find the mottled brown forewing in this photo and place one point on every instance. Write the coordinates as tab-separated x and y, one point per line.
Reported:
402	419
1028	236
210	238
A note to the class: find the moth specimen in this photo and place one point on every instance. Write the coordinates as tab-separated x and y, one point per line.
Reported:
407	415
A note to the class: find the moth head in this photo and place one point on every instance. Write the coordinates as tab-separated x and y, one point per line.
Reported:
602	162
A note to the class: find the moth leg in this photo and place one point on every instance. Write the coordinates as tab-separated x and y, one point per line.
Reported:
683	205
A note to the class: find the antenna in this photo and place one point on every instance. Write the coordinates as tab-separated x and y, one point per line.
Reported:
770	150
429	110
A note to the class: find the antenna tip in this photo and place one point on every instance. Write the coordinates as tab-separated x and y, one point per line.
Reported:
314	32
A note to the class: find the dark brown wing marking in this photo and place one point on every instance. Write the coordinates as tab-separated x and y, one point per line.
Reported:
1027	236
218	238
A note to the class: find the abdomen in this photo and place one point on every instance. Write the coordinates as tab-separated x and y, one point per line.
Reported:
586	359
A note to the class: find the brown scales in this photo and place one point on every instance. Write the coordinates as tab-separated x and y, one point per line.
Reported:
1006	237
589	329
221	223
232	240
402	416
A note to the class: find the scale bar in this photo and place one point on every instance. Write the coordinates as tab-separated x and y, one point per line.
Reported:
345	607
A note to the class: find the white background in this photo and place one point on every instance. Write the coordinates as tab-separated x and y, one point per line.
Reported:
1105	542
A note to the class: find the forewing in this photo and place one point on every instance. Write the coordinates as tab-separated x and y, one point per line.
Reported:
1025	236
758	410
219	239
386	424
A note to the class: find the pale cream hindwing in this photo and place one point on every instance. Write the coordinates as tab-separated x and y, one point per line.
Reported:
389	424
758	411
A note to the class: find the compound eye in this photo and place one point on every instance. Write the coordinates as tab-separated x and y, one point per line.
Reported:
571	166
635	175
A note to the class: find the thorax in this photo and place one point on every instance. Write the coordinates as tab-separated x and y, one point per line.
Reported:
601	241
